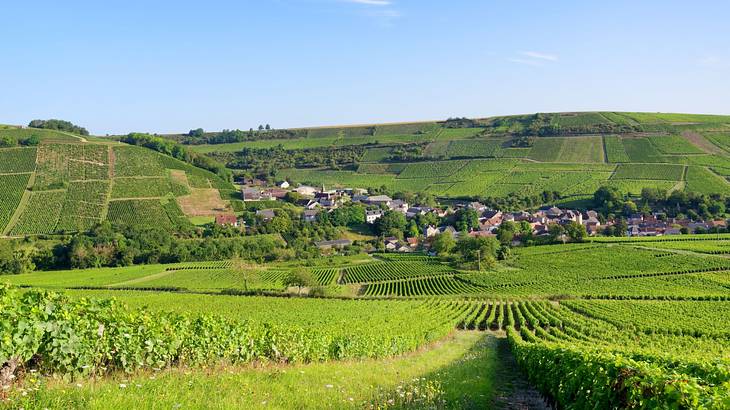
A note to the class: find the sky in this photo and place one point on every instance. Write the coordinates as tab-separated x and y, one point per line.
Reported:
170	66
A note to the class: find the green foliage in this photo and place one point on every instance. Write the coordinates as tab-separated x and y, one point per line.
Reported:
17	160
59	125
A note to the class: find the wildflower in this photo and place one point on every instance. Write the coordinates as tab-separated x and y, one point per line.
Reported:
329	386
122	386
79	385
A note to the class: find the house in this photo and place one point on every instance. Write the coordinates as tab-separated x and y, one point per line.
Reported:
335	244
430	231
494	218
553	212
251	194
266	214
398	206
413	242
379	200
391	243
477	206
310	215
277	193
372	216
283	184
226	219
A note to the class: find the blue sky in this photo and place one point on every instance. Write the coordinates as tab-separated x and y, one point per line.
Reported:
163	66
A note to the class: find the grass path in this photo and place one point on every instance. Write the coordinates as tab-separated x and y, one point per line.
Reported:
467	370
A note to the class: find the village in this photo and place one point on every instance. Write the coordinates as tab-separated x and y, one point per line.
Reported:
315	200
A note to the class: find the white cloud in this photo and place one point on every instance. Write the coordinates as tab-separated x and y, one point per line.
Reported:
540	56
525	61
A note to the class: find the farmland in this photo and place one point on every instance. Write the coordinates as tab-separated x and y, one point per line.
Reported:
65	185
653	305
584	142
604	323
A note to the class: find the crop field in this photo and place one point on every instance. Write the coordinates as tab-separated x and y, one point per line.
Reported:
17	160
394	270
642	150
154	187
41	214
722	140
46	136
133	161
647	307
674	145
11	191
83	205
615	150
649	171
704	181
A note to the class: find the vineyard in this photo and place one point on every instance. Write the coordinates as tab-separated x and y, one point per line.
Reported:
12	187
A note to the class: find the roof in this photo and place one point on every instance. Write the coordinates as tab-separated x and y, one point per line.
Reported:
225	219
380	198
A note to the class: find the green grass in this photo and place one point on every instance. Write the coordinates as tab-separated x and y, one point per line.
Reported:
460	371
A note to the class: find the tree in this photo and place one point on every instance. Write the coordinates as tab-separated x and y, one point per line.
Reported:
196	133
506	232
299	278
481	250
243	270
268	127
261	127
575	231
466	219
443	243
391	223
556	231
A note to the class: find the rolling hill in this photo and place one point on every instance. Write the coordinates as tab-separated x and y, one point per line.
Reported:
67	183
572	153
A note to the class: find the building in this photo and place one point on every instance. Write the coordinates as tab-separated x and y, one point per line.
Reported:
431	231
251	194
310	215
266	214
379	200
226	220
372	216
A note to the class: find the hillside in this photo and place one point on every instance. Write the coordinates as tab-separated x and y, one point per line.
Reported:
67	183
572	153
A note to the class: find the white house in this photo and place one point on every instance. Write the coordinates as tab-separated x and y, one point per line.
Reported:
372	216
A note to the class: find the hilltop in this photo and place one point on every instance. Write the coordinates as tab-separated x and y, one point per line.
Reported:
522	155
67	183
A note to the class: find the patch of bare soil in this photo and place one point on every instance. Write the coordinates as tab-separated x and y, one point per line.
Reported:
203	202
699	141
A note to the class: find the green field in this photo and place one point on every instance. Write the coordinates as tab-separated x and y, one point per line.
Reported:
653	306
